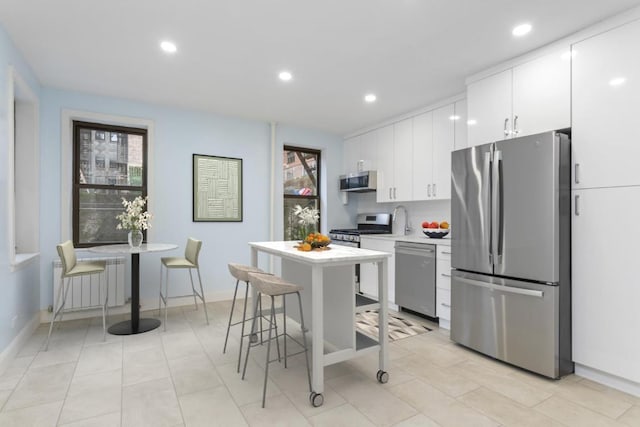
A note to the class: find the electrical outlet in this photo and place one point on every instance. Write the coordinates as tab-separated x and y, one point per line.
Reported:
14	321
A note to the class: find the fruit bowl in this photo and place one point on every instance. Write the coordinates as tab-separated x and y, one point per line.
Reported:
435	233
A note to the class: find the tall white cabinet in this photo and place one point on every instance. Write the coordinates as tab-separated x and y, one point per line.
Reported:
523	100
606	204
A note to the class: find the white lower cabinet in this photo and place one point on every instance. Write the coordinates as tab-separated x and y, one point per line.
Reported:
605	282
443	285
369	271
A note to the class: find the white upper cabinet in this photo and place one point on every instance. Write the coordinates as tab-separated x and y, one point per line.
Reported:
529	98
489	107
384	156
352	149
460	135
402	155
443	141
422	156
605	109
542	94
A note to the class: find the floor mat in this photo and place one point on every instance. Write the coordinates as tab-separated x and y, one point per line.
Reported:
399	327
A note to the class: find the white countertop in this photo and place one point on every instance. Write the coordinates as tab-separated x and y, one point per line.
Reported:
336	254
419	238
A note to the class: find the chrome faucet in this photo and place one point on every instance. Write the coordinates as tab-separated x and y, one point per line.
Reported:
407	224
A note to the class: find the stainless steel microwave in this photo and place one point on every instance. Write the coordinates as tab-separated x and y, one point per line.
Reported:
359	182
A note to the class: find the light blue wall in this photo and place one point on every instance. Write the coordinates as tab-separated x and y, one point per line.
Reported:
20	289
178	134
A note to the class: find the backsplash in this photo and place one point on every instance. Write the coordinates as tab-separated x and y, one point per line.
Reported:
433	210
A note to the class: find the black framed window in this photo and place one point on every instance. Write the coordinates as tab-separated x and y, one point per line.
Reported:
109	163
301	186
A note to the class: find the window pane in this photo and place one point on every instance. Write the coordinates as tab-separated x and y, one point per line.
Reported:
113	158
300	173
97	216
292	229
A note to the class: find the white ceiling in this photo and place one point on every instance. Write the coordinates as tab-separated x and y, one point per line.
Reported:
409	52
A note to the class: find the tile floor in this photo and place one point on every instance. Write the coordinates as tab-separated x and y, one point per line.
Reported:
181	378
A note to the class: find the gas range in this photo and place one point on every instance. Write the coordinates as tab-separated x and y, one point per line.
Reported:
367	224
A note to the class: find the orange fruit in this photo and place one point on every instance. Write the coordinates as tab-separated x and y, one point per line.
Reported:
444	225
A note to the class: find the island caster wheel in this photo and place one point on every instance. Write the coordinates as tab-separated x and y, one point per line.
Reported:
316	399
383	377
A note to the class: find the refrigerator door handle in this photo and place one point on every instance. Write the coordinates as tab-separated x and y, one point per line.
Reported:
486	179
502	288
497	208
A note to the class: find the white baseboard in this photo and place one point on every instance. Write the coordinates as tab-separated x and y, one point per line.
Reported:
609	380
146	304
9	353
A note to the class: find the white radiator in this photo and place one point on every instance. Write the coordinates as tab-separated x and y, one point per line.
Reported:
89	291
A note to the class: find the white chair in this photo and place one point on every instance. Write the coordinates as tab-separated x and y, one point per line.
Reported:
71	268
190	262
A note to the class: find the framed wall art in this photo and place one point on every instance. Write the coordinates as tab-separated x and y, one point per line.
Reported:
217	189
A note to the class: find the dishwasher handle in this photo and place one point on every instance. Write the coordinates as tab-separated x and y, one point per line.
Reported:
419	249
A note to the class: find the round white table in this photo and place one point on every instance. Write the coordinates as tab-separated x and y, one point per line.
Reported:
135	325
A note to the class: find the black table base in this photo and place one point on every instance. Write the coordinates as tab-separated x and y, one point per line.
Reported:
126	327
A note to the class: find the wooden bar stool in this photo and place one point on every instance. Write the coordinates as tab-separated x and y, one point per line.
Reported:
241	273
267	284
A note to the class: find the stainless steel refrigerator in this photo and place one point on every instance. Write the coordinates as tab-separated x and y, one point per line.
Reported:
511	250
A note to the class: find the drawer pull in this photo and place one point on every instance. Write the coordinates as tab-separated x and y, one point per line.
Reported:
445	305
445	274
446	253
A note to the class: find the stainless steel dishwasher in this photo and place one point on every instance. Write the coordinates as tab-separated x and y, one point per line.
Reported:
416	277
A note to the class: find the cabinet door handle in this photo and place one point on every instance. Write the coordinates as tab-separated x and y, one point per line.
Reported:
445	305
429	190
390	193
576	176
577	205
515	125
506	132
434	190
445	274
394	193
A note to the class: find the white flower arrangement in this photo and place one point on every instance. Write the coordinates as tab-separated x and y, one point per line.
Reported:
134	217
307	219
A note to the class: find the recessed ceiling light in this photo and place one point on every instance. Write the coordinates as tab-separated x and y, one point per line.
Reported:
168	46
285	76
521	30
617	81
472	122
370	98
454	117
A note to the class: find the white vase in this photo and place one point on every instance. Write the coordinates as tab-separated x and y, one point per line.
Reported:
135	238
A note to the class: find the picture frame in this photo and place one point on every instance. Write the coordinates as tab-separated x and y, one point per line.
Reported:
217	189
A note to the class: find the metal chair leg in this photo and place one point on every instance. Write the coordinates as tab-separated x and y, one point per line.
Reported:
304	341
253	325
266	365
55	312
244	318
233	304
160	294
204	303
64	300
165	299
284	322
193	289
